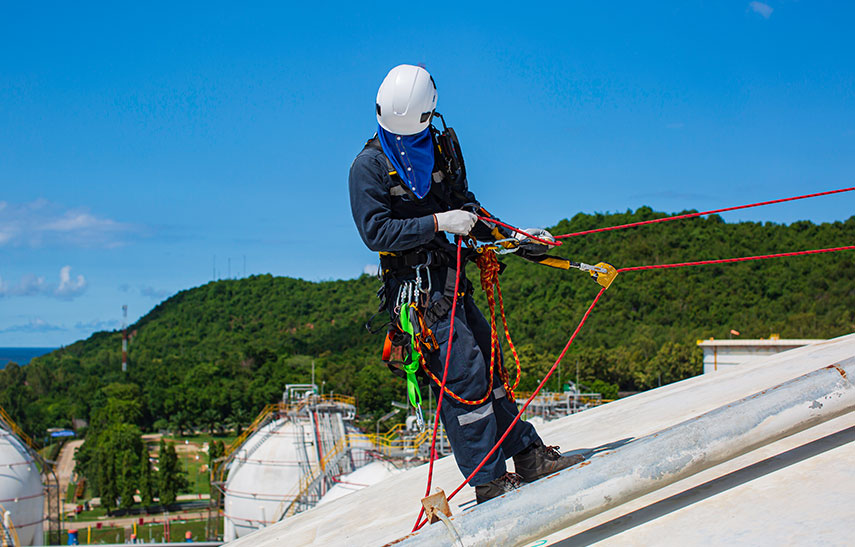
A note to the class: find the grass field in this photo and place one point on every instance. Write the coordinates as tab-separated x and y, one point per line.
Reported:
194	458
151	533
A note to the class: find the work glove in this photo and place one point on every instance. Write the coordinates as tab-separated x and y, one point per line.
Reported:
531	246
456	222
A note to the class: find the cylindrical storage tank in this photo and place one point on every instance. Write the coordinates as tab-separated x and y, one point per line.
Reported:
21	490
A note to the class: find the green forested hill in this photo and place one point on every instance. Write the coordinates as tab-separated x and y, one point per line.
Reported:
213	355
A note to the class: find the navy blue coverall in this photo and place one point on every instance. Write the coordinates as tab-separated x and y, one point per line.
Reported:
389	220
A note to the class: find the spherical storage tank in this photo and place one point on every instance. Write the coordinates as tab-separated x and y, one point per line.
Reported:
265	476
267	472
21	490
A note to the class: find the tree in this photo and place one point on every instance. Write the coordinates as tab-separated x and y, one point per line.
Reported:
179	422
107	486
109	458
171	477
128	480
146	480
215	451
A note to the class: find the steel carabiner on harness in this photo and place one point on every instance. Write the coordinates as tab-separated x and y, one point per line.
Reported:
420	284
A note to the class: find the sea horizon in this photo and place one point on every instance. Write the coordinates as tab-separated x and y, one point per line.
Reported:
22	355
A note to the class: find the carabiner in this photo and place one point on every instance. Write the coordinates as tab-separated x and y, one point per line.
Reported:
420	419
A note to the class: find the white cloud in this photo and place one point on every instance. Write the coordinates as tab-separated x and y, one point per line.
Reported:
43	223
764	10
33	285
33	325
371	269
69	288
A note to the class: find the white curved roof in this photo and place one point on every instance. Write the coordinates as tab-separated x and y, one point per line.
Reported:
363	477
21	489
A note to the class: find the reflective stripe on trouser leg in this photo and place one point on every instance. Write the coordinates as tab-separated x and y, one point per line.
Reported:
475	415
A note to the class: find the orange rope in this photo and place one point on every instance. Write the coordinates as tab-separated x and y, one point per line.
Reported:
450	393
489	266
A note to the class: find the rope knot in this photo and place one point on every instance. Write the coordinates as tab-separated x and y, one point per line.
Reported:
489	265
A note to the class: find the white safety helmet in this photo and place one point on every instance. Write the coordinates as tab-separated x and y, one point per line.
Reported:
406	100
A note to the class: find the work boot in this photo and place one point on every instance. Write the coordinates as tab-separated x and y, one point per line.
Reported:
538	460
497	487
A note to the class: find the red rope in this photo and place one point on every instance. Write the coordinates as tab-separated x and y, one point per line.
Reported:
740	259
522	410
442	385
692	215
514	228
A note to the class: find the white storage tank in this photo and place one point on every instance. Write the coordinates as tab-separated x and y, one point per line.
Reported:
22	493
264	476
273	467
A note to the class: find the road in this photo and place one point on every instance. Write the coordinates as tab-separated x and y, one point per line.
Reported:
65	467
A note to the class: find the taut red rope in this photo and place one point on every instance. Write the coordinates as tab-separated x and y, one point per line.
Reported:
739	259
692	215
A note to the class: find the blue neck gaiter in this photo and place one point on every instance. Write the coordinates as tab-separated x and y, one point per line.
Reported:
412	157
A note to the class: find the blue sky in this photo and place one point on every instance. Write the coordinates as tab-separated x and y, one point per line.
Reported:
149	148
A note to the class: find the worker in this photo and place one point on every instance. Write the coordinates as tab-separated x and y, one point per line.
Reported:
408	192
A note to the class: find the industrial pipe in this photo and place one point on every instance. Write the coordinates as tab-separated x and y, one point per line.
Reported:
613	478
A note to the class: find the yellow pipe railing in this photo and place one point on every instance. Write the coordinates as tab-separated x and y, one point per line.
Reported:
9	534
17	430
